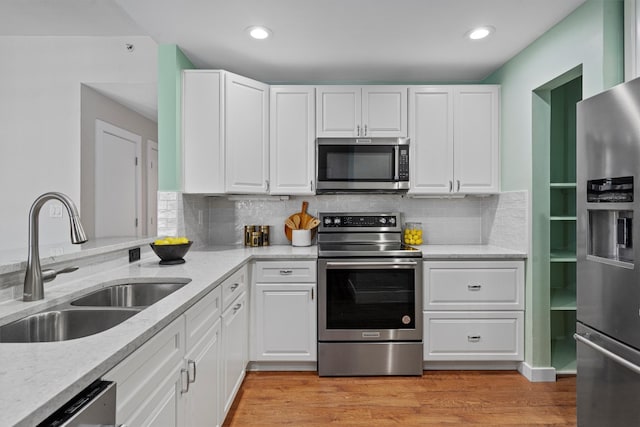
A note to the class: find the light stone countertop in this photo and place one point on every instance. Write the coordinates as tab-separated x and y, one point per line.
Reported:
38	378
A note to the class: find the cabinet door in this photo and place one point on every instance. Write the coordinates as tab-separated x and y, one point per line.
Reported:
292	130
431	139
150	380
235	349
285	322
247	135
202	132
203	363
384	111
338	111
477	139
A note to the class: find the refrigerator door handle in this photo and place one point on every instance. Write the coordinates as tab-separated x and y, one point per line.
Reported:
611	355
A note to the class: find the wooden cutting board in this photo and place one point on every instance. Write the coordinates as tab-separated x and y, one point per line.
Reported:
304	219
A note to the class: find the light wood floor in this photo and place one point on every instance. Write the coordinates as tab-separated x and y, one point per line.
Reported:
439	398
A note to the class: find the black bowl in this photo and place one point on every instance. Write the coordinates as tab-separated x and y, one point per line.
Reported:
171	254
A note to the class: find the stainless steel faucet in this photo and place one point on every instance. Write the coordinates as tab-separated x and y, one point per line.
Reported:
34	278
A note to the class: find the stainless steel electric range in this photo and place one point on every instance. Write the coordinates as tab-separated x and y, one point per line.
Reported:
369	297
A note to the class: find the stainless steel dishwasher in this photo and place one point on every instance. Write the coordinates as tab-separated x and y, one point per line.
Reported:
94	406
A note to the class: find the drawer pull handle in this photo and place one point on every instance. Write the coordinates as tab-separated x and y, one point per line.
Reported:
234	286
474	287
236	308
182	374
473	338
286	272
192	363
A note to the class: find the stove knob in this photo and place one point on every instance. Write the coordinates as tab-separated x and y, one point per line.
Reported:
327	221
336	221
392	220
383	220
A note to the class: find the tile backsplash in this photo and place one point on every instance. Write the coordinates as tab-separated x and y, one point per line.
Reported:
499	220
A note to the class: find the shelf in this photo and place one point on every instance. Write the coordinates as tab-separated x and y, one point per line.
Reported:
562	256
562	218
562	185
563	299
563	355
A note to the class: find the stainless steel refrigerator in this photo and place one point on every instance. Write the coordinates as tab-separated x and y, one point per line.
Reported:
608	281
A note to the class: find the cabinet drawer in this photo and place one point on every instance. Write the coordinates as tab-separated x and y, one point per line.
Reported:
464	336
233	286
473	285
202	316
286	272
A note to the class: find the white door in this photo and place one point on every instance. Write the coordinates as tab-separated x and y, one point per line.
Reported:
384	111
431	139
292	129
476	139
339	111
286	322
152	188
247	135
118	181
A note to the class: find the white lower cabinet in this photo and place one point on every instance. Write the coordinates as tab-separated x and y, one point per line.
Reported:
150	381
285	312
235	349
474	311
188	373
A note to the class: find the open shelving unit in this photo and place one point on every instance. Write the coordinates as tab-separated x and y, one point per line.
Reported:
562	226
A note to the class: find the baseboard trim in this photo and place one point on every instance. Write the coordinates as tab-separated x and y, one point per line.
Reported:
537	374
467	366
282	366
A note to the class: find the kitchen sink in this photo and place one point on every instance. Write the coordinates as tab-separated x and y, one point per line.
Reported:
92	313
129	294
62	325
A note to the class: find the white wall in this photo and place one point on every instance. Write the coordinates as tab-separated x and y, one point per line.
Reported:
40	80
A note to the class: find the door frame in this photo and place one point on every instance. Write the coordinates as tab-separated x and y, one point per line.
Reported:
103	127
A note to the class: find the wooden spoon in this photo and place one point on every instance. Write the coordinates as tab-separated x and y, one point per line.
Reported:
290	224
296	221
313	223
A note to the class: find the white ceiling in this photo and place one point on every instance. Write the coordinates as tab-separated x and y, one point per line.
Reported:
326	41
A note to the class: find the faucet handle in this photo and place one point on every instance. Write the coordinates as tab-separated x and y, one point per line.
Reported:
50	274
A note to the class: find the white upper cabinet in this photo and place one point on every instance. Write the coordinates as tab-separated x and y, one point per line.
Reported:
225	133
361	111
203	131
292	133
477	139
247	135
454	133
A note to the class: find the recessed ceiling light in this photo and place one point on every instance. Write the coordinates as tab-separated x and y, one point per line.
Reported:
259	33
480	33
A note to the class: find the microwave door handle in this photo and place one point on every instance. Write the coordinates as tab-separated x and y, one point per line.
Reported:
396	177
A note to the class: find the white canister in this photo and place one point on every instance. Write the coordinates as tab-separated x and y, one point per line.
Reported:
301	237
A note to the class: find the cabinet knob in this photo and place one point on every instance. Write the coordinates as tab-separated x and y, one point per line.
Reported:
365	130
237	307
358	130
474	287
450	186
286	272
184	372
458	187
473	338
234	286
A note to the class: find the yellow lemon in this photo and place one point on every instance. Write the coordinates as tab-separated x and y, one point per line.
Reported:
161	242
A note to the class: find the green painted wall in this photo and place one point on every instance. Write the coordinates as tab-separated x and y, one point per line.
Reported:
590	42
171	62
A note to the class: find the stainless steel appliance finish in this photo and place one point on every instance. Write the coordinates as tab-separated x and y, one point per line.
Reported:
608	315
352	165
94	406
369	297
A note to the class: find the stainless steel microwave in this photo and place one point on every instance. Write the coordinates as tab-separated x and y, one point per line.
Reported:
350	165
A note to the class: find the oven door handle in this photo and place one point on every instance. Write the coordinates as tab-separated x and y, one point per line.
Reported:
373	264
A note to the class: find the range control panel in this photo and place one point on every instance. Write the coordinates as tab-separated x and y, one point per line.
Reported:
360	221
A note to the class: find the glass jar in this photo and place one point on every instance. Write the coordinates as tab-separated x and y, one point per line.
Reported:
412	233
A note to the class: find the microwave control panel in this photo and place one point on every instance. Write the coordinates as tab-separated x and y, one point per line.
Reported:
403	164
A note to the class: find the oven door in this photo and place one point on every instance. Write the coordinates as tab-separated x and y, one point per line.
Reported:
369	299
